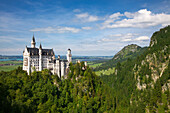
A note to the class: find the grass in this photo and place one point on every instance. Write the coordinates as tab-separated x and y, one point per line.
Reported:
105	72
11	62
93	65
10	67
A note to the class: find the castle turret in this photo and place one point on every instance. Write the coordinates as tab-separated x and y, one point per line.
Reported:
53	57
58	57
40	58
69	55
33	42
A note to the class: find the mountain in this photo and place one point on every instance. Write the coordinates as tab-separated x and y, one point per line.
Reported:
142	84
129	51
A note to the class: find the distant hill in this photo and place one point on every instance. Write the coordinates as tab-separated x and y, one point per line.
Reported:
129	51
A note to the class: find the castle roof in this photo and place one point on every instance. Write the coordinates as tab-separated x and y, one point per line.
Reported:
35	51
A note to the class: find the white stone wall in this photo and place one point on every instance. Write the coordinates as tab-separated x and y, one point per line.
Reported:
34	60
62	69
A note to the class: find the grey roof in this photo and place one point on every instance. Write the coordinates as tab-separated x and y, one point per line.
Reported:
35	51
47	52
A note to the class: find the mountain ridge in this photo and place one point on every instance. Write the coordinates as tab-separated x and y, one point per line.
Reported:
130	51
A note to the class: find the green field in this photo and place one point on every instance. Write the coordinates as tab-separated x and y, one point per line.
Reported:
93	64
10	67
105	72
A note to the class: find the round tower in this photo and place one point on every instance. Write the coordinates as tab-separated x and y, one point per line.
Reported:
33	42
69	55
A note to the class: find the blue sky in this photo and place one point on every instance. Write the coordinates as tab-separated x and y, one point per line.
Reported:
88	27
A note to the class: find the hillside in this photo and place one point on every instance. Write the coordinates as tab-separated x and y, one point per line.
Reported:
143	84
129	51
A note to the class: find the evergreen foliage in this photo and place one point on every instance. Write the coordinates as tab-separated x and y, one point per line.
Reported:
81	91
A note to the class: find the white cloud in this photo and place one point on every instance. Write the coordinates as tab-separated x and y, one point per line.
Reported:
11	39
57	29
128	37
142	38
115	35
141	19
82	15
86	28
93	18
116	15
76	10
111	19
85	17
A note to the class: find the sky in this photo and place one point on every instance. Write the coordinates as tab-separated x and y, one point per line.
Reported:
87	27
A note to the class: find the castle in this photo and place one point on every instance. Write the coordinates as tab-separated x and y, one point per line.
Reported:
37	59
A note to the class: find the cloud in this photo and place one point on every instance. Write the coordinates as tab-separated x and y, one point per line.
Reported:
57	29
118	37
140	19
128	37
142	38
85	17
111	19
86	28
76	10
82	15
116	15
11	39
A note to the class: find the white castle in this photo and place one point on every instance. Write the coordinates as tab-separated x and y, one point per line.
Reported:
37	59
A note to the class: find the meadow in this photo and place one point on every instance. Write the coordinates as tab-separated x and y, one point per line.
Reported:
9	65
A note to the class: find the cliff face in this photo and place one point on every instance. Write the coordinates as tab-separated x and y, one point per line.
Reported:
151	68
152	74
156	60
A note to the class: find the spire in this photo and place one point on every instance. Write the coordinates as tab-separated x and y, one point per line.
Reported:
26	49
33	42
33	39
40	46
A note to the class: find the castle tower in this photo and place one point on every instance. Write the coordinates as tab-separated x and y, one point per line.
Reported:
53	57
40	58
33	42
69	55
